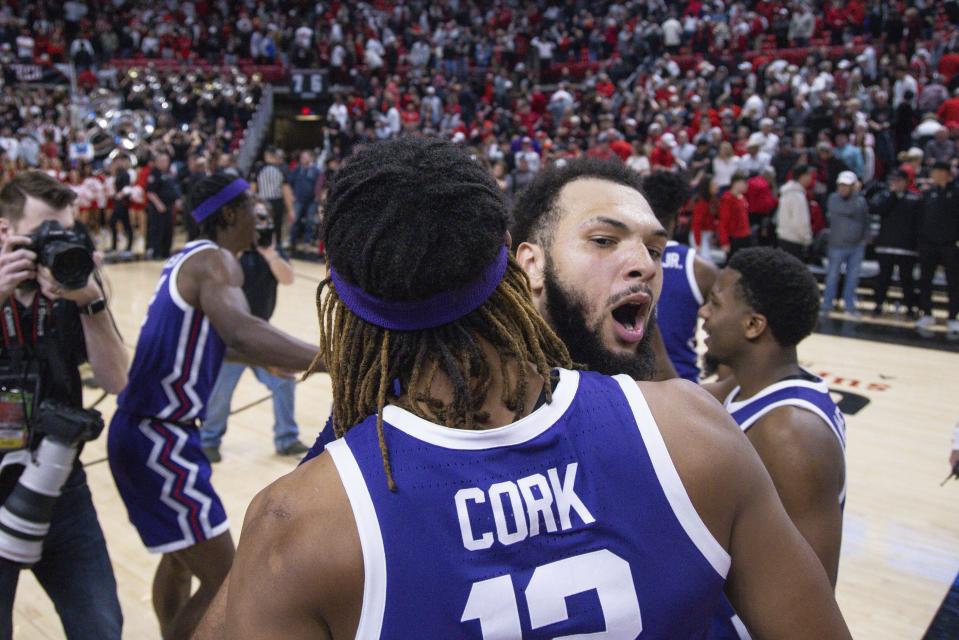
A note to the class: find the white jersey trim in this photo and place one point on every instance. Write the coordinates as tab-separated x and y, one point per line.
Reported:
800	404
670	481
808	406
510	435
735	405
167	382
184	255
371	540
740	628
189	488
691	276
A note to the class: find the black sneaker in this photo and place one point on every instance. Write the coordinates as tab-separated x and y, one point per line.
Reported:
212	454
295	448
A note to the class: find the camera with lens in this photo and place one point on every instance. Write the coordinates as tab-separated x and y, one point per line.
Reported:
25	515
65	252
264	230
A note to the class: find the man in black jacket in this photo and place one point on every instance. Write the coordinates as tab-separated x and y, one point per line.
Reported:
896	245
938	238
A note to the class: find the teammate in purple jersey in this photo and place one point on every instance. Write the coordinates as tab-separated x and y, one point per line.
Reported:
198	315
763	305
500	494
687	279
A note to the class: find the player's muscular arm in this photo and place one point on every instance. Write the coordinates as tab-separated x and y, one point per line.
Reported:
776	583
298	571
705	273
806	464
212	281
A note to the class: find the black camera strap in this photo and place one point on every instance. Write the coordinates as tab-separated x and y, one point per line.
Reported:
11	327
17	395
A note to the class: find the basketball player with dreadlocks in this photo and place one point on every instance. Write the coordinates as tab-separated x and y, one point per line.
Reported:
576	283
198	313
763	305
479	487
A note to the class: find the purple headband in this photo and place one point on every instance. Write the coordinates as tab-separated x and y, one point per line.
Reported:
412	315
210	206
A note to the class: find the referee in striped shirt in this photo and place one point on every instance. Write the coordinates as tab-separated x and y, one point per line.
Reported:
272	186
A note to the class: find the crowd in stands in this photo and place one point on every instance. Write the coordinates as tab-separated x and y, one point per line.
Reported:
193	120
763	104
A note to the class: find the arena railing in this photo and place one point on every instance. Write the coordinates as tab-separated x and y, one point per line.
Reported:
255	131
268	73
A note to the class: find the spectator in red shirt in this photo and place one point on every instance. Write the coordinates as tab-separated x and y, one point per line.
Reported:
604	87
733	228
662	155
601	150
620	147
705	211
410	117
949	65
762	203
949	111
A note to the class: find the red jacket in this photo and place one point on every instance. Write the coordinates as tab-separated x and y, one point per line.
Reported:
759	196
949	111
621	148
949	65
704	219
660	157
733	218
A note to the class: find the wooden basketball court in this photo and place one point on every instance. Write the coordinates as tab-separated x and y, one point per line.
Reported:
901	534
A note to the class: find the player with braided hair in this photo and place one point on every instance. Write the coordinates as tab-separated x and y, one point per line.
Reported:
475	470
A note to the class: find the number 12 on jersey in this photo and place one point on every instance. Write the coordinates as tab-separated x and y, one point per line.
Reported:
493	601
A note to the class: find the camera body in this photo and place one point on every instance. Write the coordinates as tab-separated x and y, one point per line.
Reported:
65	252
264	232
67	425
26	513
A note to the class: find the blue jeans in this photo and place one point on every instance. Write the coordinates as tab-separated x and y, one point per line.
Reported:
285	431
303	223
75	570
852	258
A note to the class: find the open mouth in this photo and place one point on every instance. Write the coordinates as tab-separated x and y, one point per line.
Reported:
629	319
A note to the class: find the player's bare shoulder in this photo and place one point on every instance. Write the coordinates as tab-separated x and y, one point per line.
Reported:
213	267
794	442
297	530
709	451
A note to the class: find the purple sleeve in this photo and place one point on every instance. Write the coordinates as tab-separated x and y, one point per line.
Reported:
326	437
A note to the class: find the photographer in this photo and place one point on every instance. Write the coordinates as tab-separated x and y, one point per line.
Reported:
49	328
264	266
